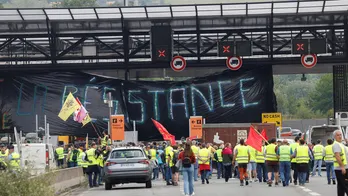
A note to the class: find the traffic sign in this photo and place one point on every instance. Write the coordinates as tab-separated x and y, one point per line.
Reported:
226	48
309	60
117	127
196	126
299	46
234	62
318	46
272	118
244	48
178	63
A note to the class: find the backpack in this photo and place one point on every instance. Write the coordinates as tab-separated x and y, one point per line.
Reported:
75	155
186	162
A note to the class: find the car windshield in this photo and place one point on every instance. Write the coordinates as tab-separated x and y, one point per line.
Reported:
126	153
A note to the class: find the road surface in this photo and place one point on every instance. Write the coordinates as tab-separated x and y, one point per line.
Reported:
317	187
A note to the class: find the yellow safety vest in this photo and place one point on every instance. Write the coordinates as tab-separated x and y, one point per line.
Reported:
101	160
302	155
260	157
284	153
342	155
219	155
270	153
80	161
60	153
104	141
153	154
329	155
204	156
318	152
195	150
252	152
293	146
15	161
91	157
167	150
242	155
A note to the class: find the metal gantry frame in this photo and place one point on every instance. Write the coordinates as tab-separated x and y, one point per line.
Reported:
54	39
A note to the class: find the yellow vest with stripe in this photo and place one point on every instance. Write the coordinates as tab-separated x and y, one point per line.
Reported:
260	157
270	153
204	156
15	161
293	147
195	150
60	153
153	154
329	155
91	157
219	155
242	154
81	162
104	141
101	160
342	155
318	152
252	152
302	155
284	153
167	151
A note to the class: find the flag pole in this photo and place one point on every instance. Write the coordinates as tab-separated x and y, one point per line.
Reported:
259	134
95	129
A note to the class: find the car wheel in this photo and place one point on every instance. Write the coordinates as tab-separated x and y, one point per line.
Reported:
148	184
108	186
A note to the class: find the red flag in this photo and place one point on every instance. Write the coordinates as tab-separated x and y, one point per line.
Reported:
172	140
254	139
163	131
264	134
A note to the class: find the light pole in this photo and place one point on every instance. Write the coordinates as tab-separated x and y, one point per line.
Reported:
110	103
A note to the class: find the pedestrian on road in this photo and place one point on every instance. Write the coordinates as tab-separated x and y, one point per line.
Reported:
243	157
204	163
329	161
284	160
227	159
303	155
195	150
318	157
340	164
188	159
272	161
293	147
261	167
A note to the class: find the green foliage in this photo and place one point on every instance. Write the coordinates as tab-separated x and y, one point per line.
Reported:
308	99
1	5
24	184
79	3
26	4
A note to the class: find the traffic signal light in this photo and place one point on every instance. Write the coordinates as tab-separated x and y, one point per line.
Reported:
318	46
226	48
161	43
243	48
300	46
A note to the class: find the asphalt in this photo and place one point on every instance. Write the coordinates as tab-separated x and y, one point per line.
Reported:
317	187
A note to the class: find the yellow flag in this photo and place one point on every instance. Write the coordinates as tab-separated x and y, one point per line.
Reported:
86	120
70	106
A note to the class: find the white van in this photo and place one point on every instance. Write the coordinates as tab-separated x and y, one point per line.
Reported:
38	156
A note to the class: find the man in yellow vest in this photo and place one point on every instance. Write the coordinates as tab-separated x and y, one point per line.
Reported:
340	163
293	147
92	165
252	164
284	161
303	155
105	141
260	165
318	151
218	159
272	161
329	161
59	154
81	159
212	152
13	159
242	155
153	158
168	151
3	157
195	150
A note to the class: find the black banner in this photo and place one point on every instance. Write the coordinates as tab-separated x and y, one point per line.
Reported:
227	97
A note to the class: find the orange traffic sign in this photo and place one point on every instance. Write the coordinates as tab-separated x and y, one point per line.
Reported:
117	127
196	126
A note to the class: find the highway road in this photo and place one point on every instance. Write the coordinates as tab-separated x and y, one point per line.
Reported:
317	187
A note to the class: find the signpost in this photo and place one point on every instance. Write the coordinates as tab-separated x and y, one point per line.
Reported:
196	126
273	118
178	63
117	127
309	60
234	63
242	134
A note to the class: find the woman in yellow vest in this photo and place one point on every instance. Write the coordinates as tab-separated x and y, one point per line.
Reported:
340	163
242	155
329	161
204	163
303	155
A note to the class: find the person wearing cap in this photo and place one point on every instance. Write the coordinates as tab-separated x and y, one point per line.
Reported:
318	151
14	159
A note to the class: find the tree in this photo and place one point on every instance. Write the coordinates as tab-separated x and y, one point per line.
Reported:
79	3
1	6
321	97
26	4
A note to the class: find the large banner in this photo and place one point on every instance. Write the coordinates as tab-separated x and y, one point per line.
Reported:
227	97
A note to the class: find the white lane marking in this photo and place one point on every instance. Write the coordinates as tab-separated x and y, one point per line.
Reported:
309	191
314	194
